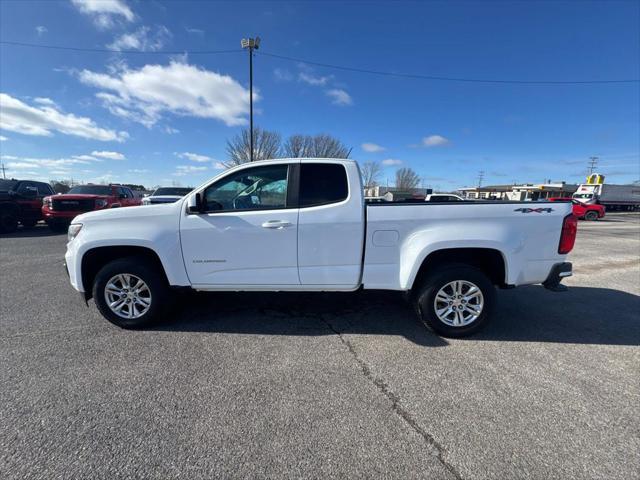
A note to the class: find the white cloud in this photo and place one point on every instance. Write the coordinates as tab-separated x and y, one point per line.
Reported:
194	31
17	116
313	80
138	170
108	155
3	138
372	147
21	163
171	130
143	39
282	75
435	141
45	101
194	157
339	97
105	12
219	166
41	30
86	157
182	170
144	95
390	162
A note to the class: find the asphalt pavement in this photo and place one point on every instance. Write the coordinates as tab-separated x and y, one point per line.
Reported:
323	385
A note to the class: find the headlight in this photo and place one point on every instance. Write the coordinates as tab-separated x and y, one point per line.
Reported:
101	203
74	230
46	202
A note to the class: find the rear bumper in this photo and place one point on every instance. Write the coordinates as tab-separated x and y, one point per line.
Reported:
557	273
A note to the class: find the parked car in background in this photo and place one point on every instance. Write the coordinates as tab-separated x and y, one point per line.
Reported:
166	195
443	197
20	202
582	210
59	210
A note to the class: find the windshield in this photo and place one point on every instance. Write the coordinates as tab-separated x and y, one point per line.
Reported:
583	196
171	191
91	190
6	185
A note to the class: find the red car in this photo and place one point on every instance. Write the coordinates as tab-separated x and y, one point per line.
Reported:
59	210
582	210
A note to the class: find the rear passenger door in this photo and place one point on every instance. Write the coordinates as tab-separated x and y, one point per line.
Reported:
330	227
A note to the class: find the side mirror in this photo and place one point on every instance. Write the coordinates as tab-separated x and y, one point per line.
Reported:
194	205
122	195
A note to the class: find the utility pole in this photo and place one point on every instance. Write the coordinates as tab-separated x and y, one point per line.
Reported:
593	161
480	177
251	44
2	168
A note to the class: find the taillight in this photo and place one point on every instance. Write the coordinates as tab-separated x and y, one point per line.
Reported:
568	235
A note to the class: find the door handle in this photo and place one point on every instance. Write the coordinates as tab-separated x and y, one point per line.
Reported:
276	224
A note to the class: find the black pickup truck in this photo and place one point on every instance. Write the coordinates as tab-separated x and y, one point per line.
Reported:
21	202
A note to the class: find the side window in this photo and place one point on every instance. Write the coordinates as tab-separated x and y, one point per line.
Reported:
44	189
123	191
28	188
439	198
322	183
129	192
259	188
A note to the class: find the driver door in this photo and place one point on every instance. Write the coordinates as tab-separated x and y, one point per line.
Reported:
246	235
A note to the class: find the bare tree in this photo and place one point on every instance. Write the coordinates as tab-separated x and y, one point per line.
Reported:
406	179
296	146
266	145
371	171
317	146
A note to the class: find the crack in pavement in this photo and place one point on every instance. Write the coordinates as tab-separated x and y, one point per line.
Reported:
395	401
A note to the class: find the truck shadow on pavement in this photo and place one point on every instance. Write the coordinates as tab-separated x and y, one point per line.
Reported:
582	315
40	230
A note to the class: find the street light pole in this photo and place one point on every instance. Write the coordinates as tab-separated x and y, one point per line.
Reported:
251	44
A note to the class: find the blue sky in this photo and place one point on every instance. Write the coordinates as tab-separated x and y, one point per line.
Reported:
157	118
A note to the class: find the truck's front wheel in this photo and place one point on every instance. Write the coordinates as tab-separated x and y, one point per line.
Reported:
130	292
455	301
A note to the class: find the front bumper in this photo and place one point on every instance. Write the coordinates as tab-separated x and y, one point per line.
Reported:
558	272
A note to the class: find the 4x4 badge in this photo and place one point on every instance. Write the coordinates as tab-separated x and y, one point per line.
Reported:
534	210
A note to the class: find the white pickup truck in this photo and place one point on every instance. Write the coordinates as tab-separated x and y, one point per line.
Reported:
303	225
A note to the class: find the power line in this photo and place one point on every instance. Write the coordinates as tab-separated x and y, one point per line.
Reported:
328	65
111	50
593	161
450	79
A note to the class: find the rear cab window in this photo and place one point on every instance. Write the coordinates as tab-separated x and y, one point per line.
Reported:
322	184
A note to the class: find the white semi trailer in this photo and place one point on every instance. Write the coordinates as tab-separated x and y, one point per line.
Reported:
613	197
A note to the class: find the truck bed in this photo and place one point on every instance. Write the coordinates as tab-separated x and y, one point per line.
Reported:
399	236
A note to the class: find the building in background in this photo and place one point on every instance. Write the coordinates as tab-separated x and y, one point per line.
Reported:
523	192
394	194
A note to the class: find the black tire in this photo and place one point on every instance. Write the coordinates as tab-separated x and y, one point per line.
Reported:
28	223
58	227
425	294
149	274
591	215
8	221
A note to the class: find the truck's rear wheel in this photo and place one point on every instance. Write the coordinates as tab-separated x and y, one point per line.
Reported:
130	293
455	301
591	215
8	221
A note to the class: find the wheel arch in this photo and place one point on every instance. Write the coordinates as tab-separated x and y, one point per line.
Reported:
9	206
96	258
490	261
